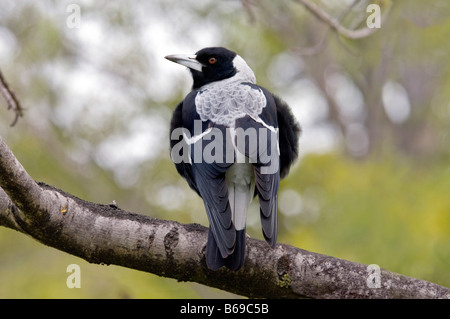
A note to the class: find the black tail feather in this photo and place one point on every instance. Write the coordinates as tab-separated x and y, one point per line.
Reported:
234	261
214	258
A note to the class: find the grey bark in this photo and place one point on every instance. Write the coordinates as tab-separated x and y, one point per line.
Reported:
106	234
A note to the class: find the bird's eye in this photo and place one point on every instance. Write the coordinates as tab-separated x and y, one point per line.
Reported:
212	60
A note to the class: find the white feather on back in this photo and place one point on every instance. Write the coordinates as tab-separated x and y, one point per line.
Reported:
224	101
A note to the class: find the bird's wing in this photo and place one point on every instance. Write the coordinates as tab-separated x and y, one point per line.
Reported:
209	163
267	188
267	181
209	177
267	174
179	148
210	181
266	162
266	168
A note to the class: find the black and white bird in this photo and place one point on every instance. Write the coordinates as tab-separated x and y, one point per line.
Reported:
231	140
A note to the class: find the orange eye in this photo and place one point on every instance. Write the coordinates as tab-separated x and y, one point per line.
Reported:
212	60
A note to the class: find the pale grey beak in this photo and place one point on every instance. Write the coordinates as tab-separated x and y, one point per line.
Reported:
186	60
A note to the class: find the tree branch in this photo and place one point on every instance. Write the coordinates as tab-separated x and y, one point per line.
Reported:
317	48
108	235
334	23
10	97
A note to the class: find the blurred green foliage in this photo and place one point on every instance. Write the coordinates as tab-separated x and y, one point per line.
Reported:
368	187
389	212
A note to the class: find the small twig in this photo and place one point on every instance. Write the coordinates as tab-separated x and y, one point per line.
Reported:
334	23
317	48
11	99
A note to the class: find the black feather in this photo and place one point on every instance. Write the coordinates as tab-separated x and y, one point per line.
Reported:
289	133
183	167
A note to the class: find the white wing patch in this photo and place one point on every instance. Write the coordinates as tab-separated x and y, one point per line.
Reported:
225	101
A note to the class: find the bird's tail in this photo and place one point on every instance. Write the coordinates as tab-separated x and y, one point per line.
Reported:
240	189
234	261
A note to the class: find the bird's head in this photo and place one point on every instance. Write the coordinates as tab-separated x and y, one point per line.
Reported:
214	64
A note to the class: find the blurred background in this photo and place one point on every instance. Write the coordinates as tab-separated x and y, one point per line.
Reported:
372	184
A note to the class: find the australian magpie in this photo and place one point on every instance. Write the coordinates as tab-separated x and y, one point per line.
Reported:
231	140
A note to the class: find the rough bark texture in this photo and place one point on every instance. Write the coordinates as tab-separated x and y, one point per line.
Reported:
105	234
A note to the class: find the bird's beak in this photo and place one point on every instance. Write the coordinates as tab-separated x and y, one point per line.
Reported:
187	60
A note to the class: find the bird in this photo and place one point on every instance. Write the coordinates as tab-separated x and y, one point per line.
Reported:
232	140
